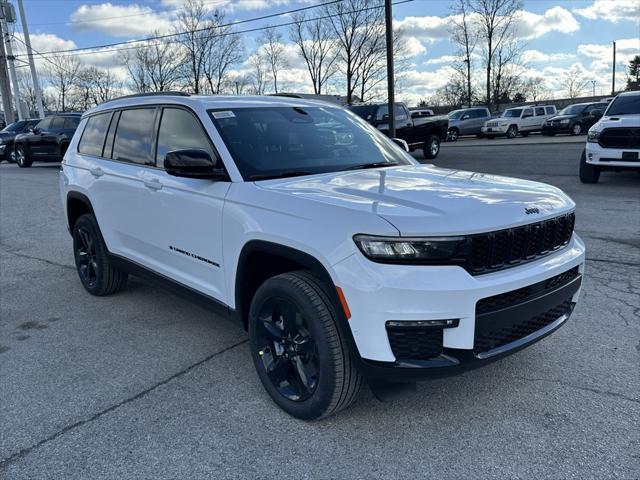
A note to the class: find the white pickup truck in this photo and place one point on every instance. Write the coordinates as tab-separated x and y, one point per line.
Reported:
523	120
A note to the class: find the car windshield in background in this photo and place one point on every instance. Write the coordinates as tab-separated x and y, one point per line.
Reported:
291	141
455	115
573	110
624	105
364	111
14	127
515	113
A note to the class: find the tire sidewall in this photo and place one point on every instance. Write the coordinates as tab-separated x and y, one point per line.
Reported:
427	147
318	403
88	222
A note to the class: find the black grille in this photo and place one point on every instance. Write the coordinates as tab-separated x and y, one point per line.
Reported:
623	137
415	343
504	248
487	339
514	297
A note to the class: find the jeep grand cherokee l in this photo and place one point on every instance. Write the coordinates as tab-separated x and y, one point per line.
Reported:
47	141
343	257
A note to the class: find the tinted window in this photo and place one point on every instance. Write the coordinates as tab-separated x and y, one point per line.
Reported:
456	114
364	111
573	109
180	130
401	113
271	141
133	136
44	124
93	135
539	110
71	123
527	113
550	110
481	112
57	123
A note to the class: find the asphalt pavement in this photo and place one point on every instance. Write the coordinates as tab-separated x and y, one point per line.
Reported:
144	384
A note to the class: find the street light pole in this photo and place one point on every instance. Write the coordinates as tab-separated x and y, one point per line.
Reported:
388	20
32	65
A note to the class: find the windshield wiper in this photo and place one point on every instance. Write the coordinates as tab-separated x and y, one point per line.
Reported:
371	165
269	176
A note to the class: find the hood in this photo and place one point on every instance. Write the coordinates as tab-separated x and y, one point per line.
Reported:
614	121
561	117
425	200
5	135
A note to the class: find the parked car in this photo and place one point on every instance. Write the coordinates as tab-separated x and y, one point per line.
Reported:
343	257
522	120
467	121
424	133
47	141
574	119
421	112
613	143
8	134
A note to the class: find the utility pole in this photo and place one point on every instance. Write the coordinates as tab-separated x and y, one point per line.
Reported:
32	65
593	83
5	89
388	20
9	15
613	77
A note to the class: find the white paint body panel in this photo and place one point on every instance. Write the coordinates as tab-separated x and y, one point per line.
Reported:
318	215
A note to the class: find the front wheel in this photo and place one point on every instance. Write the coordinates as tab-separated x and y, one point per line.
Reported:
22	157
297	348
431	147
576	129
512	132
453	134
588	173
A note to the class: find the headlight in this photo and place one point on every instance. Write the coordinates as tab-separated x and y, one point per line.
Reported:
565	121
504	124
593	136
408	250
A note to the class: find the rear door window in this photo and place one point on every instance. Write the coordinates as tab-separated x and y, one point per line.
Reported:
44	124
550	110
134	136
540	111
94	133
71	123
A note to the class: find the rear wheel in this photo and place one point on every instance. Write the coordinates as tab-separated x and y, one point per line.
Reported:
588	173
297	349
453	134
23	159
431	147
98	276
512	132
576	129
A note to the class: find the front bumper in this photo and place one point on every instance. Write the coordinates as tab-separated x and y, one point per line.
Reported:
494	131
611	157
554	129
378	293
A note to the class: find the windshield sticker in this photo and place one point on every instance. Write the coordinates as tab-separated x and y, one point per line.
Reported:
223	114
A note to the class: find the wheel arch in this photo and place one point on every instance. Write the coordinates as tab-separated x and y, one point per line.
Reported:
77	204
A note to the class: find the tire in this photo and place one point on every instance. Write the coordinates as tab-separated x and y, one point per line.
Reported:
576	129
23	159
331	381
96	273
453	134
588	173
431	147
512	132
479	135
11	158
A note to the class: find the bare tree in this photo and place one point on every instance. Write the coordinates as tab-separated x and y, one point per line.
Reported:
61	73
273	47
317	47
239	83
258	74
574	82
496	20
155	67
464	33
535	88
506	71
196	22
355	22
223	50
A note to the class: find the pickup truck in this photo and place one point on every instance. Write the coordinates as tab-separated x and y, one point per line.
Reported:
424	133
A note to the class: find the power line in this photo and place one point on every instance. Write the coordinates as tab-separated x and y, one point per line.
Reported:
92	50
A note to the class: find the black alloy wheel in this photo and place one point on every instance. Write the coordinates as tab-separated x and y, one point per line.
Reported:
86	257
22	157
287	350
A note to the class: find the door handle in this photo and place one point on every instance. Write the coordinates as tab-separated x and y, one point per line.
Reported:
153	184
96	172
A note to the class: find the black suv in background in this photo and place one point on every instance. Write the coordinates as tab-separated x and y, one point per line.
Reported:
47	141
7	135
574	119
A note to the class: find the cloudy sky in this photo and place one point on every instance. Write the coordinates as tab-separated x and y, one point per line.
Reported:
557	34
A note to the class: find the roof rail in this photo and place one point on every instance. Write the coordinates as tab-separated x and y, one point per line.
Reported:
153	94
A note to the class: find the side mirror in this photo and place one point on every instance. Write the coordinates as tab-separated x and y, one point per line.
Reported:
401	143
466	117
597	113
192	163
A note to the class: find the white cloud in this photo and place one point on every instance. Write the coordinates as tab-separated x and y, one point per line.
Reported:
119	20
535	56
230	5
413	47
626	49
557	19
613	11
45	42
445	59
424	28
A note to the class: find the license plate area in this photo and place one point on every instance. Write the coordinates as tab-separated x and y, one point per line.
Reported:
630	156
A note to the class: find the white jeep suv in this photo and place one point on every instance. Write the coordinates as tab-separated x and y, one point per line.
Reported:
342	256
522	120
613	143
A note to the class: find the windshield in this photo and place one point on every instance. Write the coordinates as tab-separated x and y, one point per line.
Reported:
455	115
512	113
364	111
286	141
14	127
624	105
573	109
